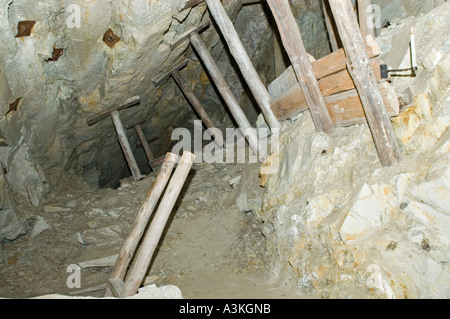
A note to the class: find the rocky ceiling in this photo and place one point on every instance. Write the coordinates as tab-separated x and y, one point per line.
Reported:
63	61
80	57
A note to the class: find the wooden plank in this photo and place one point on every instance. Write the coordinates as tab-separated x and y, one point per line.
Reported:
342	81
243	61
330	84
336	61
293	43
358	64
344	108
129	247
153	234
104	114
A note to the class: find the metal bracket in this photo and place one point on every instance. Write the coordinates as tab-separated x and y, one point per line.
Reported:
385	71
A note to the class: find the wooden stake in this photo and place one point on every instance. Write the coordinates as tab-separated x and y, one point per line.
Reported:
221	84
129	247
196	105
293	43
243	61
190	96
156	228
330	26
145	145
123	140
358	64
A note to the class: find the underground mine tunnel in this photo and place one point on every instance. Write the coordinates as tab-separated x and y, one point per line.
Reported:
315	158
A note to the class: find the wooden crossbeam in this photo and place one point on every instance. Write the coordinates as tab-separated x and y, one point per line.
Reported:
293	43
105	113
221	84
121	135
345	108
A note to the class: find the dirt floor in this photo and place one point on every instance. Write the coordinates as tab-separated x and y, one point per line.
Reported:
209	248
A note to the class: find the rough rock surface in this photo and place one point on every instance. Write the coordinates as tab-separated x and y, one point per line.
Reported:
343	226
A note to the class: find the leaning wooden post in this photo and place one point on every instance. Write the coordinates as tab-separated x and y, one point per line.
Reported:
359	67
129	247
330	26
221	84
145	145
293	43
243	61
153	234
123	140
366	30
190	96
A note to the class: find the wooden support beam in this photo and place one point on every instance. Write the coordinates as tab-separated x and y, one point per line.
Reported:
358	64
243	61
121	135
330	26
191	97
345	108
153	234
327	66
129	247
342	81
221	85
145	145
125	144
104	114
293	43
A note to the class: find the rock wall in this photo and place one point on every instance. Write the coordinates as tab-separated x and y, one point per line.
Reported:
341	225
64	72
